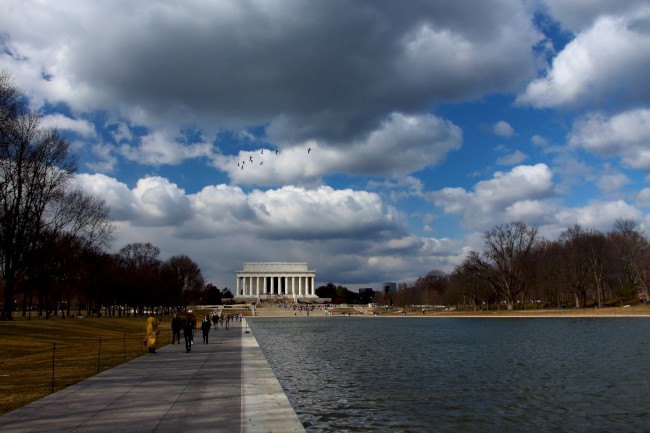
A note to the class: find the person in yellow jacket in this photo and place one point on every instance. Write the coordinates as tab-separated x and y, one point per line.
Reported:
152	333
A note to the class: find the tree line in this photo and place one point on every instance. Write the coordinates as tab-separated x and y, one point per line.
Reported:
519	269
54	236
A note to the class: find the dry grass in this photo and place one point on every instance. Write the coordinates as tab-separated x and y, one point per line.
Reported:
39	355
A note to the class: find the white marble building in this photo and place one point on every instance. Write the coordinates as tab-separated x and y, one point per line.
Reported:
268	280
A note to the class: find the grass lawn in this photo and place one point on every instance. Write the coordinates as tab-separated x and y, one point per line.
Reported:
38	355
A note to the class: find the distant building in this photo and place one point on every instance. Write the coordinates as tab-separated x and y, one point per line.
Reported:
276	280
390	287
366	295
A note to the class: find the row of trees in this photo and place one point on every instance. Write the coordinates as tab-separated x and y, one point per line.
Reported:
133	279
41	212
584	267
53	235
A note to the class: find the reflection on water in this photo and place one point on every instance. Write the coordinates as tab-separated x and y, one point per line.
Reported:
360	374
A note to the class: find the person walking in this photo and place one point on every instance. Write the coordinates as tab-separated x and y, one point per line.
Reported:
215	320
192	318
205	328
152	333
177	324
188	330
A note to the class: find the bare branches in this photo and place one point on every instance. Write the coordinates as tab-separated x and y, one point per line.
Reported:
36	199
505	263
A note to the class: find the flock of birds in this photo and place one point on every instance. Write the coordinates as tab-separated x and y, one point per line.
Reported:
250	158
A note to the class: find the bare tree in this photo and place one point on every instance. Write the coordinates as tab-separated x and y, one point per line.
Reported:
466	281
630	246
139	255
185	277
549	276
506	261
35	192
35	172
141	265
430	288
574	265
12	105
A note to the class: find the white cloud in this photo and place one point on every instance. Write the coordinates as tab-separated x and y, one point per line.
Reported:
643	198
222	226
576	15
503	129
625	135
116	194
59	121
538	140
160	202
612	182
591	68
105	161
297	213
294	66
506	195
599	215
401	145
513	158
154	202
160	147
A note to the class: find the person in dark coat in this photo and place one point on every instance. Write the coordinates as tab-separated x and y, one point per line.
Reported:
215	321
205	328
188	330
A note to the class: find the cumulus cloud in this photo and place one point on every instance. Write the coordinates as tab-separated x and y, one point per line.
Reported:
401	145
624	135
154	202
513	158
612	182
600	215
643	198
506	197
576	15
297	213
160	147
258	225
503	129
615	49
83	128
295	66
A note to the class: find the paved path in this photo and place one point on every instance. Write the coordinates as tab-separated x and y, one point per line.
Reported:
224	386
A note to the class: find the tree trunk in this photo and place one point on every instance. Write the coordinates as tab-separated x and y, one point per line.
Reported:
8	305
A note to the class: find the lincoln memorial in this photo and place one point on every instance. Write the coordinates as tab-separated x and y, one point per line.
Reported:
276	279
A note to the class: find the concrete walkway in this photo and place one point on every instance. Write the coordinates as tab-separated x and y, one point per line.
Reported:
224	386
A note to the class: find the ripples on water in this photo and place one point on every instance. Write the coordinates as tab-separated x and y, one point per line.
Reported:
363	374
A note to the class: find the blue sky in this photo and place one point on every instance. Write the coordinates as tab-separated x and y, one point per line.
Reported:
428	123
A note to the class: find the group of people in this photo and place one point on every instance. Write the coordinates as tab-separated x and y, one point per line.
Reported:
187	323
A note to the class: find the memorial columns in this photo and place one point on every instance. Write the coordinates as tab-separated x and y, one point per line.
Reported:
277	279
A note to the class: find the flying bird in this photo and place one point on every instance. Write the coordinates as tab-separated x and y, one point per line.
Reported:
251	158
277	151
261	162
309	150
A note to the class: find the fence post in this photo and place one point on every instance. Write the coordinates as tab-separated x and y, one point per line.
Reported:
53	350
99	353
